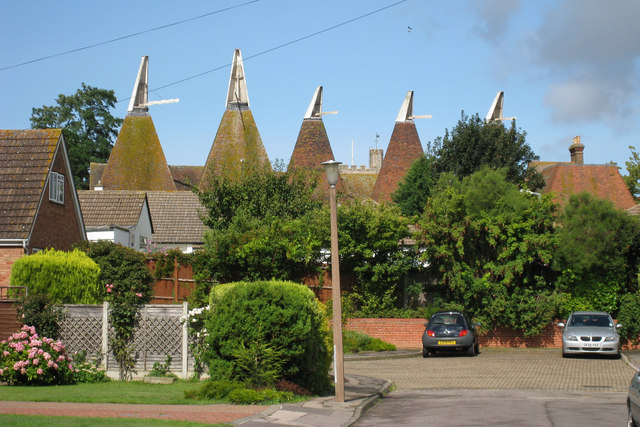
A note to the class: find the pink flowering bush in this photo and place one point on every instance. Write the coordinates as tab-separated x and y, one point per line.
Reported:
26	358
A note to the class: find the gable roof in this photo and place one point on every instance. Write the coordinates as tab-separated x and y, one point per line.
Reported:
186	176
176	217
567	178
107	208
26	157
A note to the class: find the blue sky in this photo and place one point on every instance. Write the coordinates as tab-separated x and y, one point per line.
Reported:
568	67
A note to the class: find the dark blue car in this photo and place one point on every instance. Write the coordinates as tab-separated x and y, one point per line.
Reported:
450	331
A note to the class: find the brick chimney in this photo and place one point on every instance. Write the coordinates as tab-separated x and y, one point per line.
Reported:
576	149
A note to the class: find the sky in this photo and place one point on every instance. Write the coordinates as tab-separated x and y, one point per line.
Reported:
567	67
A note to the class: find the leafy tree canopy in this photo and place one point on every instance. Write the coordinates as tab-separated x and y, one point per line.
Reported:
473	143
633	169
88	127
489	247
598	247
412	194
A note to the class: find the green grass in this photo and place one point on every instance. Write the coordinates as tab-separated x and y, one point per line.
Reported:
31	420
109	392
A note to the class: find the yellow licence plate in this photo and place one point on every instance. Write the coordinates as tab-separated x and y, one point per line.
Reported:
446	343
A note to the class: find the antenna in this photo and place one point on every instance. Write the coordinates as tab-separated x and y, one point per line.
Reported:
495	112
377	136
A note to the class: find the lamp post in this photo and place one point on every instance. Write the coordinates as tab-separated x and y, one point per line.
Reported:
331	169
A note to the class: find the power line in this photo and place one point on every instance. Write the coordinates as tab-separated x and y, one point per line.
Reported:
128	36
333	27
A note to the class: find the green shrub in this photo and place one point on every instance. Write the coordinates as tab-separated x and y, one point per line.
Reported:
267	317
629	317
237	393
86	372
68	277
355	342
38	310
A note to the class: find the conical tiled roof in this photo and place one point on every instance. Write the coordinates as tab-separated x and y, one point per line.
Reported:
237	140
404	149
137	161
312	146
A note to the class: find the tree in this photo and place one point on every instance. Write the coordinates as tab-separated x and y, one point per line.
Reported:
413	192
88	127
489	247
598	253
633	169
473	143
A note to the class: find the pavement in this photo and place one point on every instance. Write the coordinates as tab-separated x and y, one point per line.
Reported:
361	392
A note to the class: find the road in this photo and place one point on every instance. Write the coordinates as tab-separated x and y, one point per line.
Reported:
506	387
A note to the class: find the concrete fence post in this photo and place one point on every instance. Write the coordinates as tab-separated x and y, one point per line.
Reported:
105	335
185	340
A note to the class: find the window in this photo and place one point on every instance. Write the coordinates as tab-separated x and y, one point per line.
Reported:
56	187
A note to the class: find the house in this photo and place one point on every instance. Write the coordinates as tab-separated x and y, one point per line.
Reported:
117	216
566	178
39	207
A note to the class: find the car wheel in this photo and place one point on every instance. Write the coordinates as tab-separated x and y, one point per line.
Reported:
471	351
630	422
425	352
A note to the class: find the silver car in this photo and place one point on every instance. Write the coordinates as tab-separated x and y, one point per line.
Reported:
633	401
590	332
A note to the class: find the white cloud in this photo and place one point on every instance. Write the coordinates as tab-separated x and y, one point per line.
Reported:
494	15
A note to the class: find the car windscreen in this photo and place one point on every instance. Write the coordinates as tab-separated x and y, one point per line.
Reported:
590	320
448	319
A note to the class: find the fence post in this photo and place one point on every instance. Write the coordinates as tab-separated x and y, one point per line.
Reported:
105	335
185	340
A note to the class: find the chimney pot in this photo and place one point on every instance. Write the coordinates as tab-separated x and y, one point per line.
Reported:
577	151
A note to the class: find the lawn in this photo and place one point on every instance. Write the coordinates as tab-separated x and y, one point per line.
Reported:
109	392
31	420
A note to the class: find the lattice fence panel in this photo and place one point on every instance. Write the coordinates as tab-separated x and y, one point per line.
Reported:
82	330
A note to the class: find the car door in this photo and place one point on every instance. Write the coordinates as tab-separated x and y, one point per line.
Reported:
634	396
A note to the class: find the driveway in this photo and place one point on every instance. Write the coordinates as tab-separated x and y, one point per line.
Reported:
515	369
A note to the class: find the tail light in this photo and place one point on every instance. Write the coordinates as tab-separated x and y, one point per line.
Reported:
463	333
431	333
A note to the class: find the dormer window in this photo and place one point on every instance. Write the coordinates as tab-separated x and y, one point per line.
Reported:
56	188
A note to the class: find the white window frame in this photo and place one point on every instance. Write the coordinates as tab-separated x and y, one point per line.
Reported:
56	188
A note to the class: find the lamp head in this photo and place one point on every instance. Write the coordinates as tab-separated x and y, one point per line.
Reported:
331	168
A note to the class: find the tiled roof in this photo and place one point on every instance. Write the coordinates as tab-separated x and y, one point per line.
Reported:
137	161
604	181
312	149
111	207
184	176
25	159
236	141
176	217
358	185
404	149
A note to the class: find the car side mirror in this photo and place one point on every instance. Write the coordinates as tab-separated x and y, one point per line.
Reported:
561	325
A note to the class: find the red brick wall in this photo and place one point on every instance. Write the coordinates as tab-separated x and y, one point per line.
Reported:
407	333
7	257
57	225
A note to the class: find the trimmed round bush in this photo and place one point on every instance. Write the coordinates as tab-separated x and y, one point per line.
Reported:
261	332
67	277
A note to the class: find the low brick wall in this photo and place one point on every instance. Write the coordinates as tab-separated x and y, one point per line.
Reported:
407	333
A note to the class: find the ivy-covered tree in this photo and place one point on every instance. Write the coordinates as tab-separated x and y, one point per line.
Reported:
88	127
489	247
260	224
598	253
472	144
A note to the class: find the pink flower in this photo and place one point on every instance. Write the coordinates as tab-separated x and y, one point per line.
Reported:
40	351
108	289
36	361
50	363
1	371
138	294
70	367
46	356
39	371
5	353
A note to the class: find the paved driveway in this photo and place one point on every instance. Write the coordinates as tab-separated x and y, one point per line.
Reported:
521	369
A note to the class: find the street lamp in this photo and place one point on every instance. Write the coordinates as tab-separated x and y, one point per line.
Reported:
331	169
